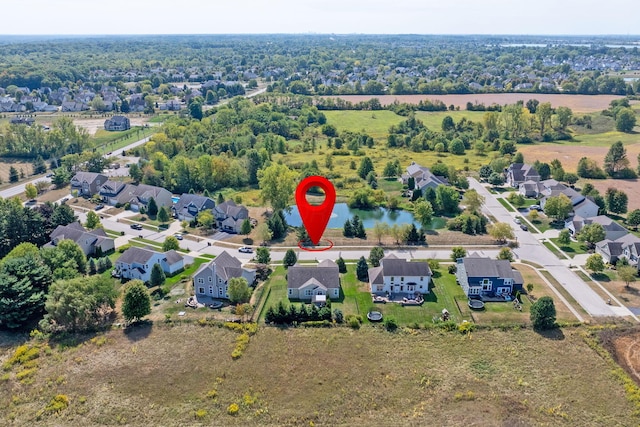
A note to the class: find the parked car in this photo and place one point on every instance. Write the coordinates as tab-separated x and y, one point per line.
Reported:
517	220
524	227
136	226
49	175
65	200
245	250
98	207
178	236
534	208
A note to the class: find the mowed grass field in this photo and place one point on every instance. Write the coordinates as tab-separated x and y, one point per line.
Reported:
184	375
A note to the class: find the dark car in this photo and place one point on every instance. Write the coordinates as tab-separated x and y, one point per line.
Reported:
136	226
524	227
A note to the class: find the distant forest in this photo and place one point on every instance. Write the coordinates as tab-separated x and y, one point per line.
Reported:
330	64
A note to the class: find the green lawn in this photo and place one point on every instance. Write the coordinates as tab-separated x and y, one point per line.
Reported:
433	119
555	251
573	248
507	206
374	123
188	272
355	298
106	141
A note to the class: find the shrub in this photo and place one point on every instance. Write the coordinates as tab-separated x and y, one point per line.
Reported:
390	324
452	269
212	394
316	324
200	414
353	321
466	327
59	403
233	409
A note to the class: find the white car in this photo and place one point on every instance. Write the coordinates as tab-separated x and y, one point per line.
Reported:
245	250
517	220
178	236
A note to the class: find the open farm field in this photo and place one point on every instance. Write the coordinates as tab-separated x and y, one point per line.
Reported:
629	186
578	103
184	375
6	163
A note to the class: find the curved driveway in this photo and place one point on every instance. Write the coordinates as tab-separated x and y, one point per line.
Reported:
531	249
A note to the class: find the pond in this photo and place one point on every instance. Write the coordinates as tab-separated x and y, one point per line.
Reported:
342	212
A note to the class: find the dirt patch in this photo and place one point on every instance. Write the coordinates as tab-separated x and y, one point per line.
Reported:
578	103
629	186
569	154
624	345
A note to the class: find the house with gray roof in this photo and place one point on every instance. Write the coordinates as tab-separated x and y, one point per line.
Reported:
110	190
92	242
518	173
423	177
612	229
139	195
136	263
626	246
190	205
583	206
398	276
229	216
314	283
212	279
117	123
482	277
87	183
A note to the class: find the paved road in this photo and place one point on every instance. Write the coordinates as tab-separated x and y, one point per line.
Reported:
533	250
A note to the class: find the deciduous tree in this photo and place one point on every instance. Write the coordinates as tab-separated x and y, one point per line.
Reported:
458	252
376	254
501	231
627	274
239	291
558	207
277	185
93	220
157	277
595	263
170	243
543	313
137	302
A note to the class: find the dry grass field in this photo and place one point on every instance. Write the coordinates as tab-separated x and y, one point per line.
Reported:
183	375
578	103
5	165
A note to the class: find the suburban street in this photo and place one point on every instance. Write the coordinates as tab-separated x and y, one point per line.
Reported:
531	249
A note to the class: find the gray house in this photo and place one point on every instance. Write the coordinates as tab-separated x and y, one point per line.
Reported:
117	123
314	283
212	279
189	205
627	246
229	216
485	277
518	173
136	263
92	242
612	229
139	195
423	177
87	183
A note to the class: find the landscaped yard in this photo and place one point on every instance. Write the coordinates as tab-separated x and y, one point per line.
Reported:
573	248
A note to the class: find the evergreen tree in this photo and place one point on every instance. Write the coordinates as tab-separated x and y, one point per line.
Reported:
245	228
157	275
543	313
376	254
13	175
152	207
92	266
342	266
347	231
290	258
362	270
163	215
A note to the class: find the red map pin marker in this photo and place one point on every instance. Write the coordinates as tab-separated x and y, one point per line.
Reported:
315	217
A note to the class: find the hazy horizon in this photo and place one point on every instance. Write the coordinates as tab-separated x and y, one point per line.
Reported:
350	17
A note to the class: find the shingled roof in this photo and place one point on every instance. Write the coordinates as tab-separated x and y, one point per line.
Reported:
326	273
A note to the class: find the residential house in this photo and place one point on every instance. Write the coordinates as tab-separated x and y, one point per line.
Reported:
229	216
117	123
519	173
487	278
92	242
212	279
583	206
110	190
314	283
399	276
20	120
171	105
87	183
136	263
423	177
73	106
139	195
189	205
612	229
627	246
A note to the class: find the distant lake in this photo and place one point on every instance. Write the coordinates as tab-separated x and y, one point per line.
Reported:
342	212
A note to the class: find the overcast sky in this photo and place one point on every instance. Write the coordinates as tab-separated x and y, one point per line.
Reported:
319	16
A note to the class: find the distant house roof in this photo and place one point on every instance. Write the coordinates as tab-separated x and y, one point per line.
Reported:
76	232
230	209
423	177
137	255
613	249
607	223
226	265
391	265
325	273
87	177
523	172
198	202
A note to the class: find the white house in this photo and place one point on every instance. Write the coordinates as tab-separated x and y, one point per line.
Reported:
212	279
308	282
136	263
399	276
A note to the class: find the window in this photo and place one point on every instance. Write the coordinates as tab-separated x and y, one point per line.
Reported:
290	291
210	290
422	278
391	279
486	287
200	280
210	279
401	288
307	292
379	288
201	290
402	279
